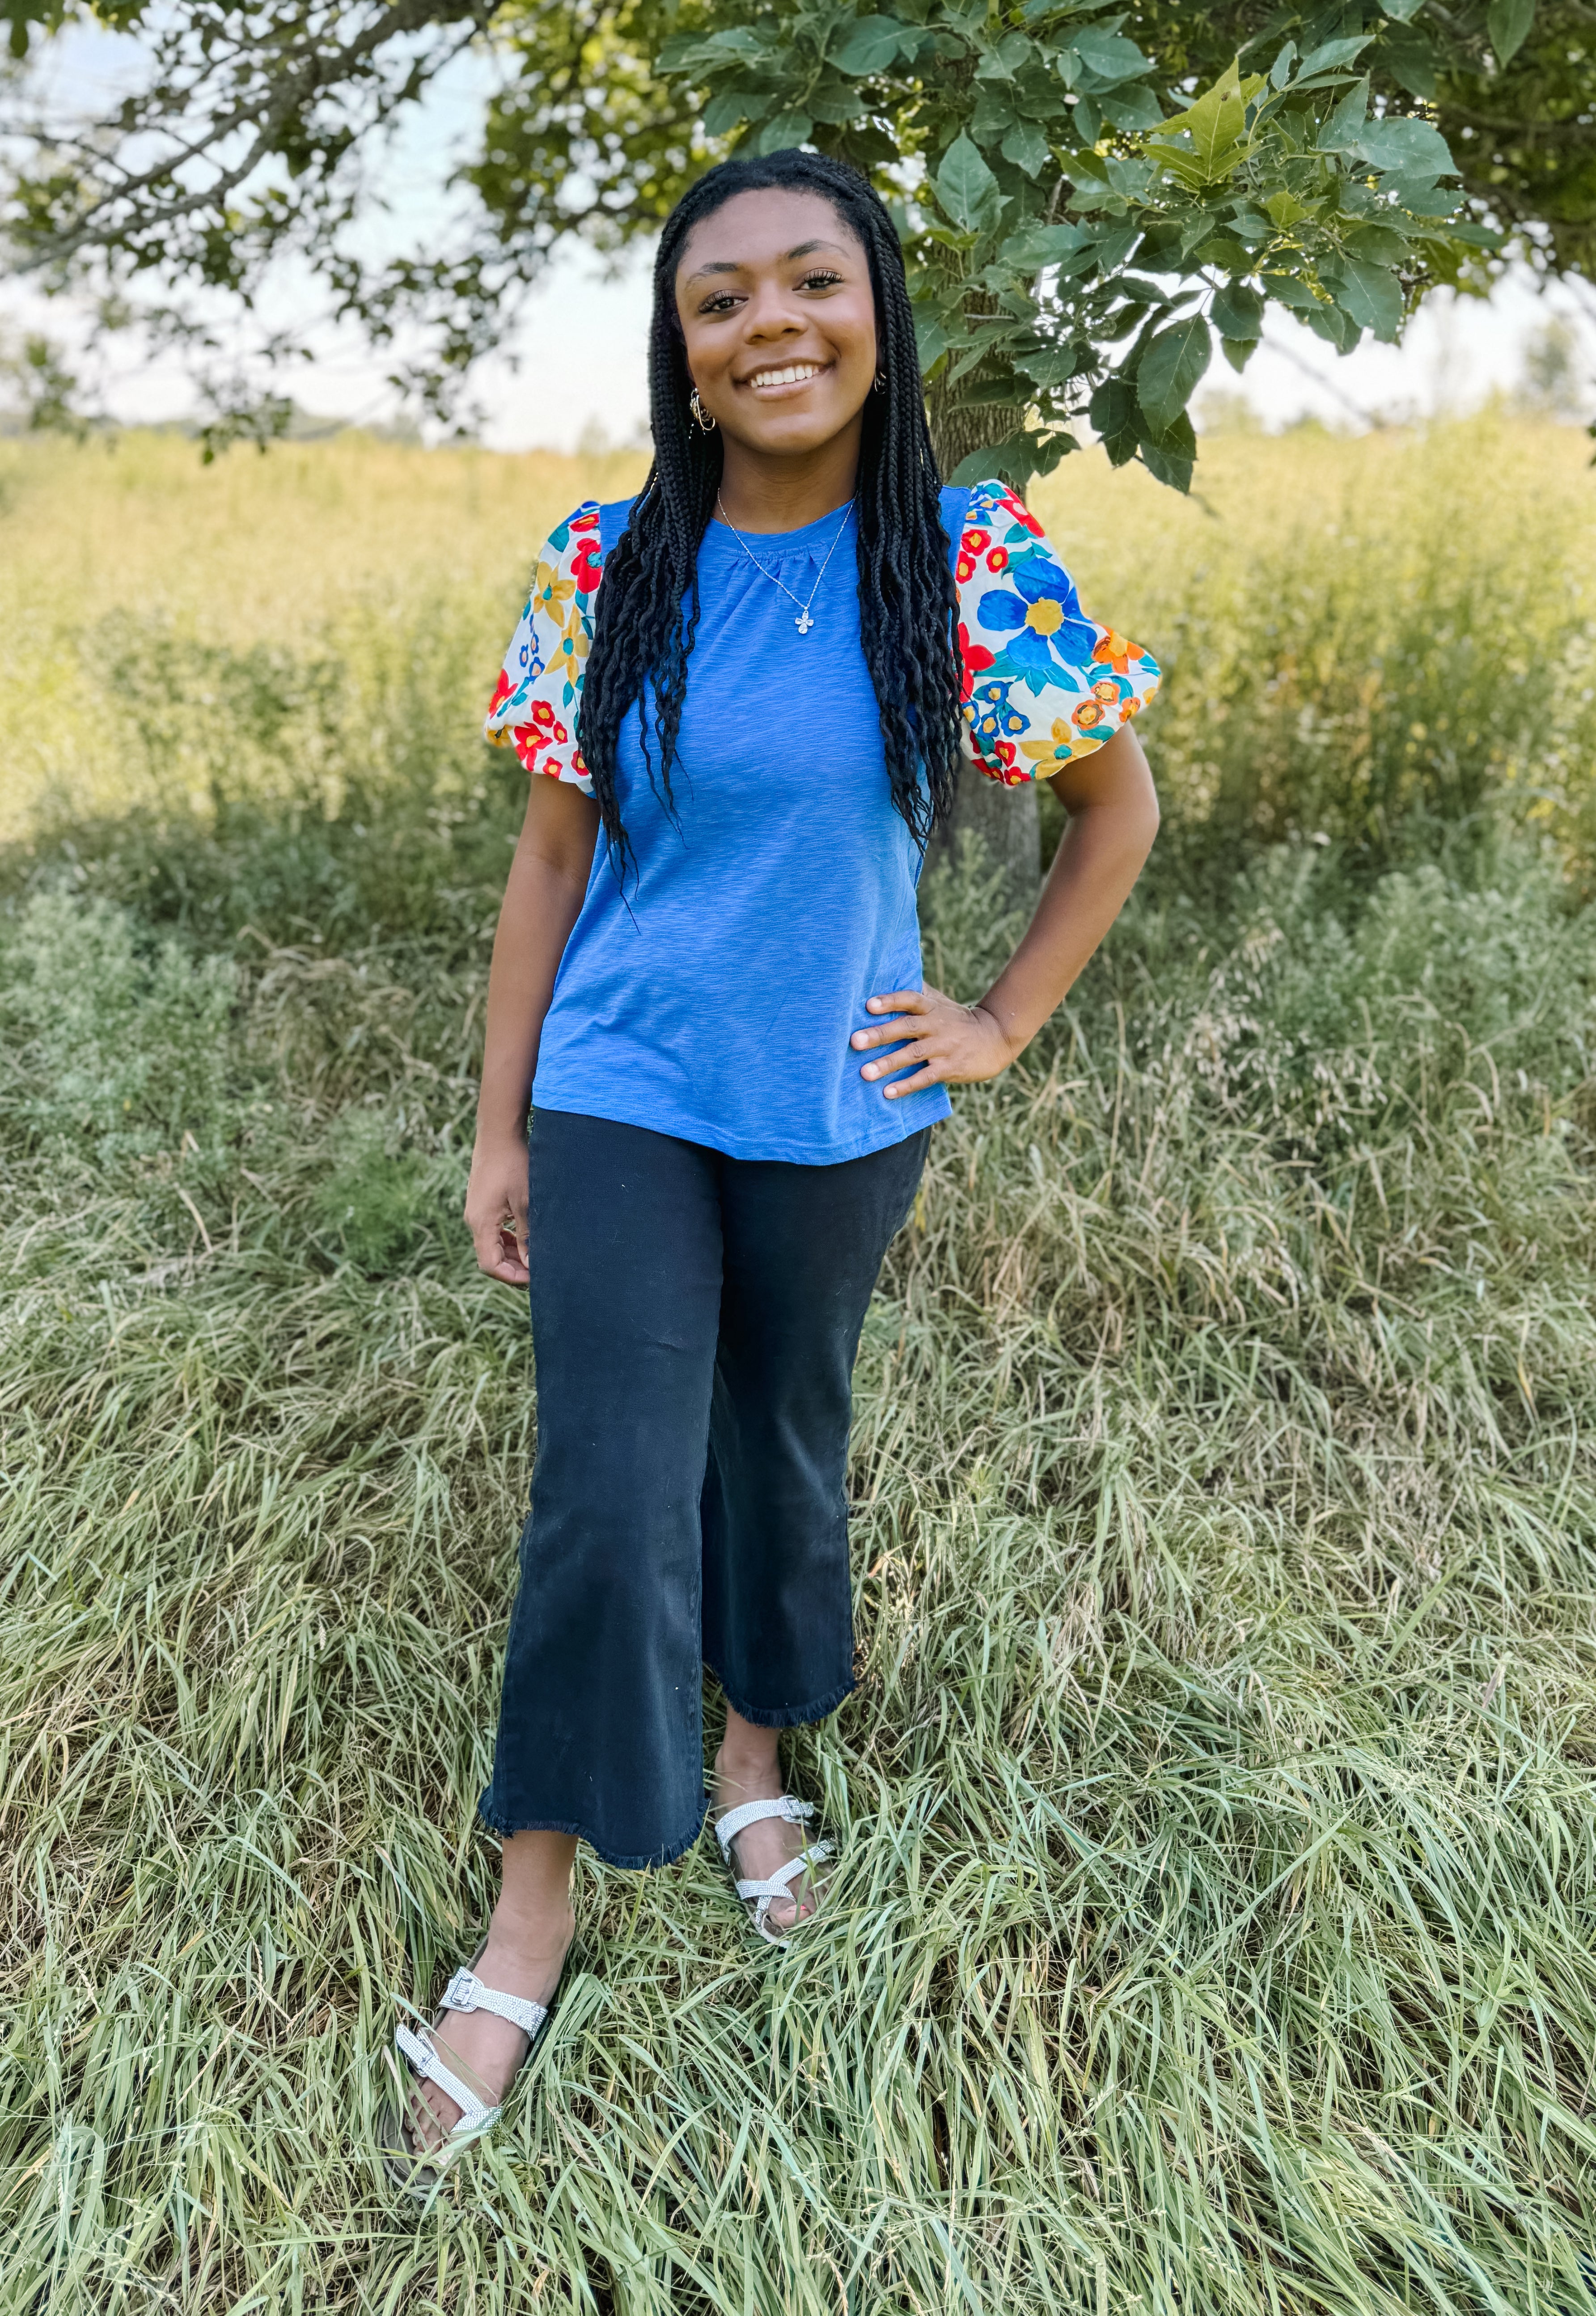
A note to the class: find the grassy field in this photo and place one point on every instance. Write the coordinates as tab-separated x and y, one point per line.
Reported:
1215	1925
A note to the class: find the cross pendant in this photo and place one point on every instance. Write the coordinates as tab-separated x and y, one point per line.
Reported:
802	622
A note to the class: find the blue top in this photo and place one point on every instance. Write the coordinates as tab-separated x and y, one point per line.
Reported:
715	998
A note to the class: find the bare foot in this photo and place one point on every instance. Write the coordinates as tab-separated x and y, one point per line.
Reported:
522	1956
744	1773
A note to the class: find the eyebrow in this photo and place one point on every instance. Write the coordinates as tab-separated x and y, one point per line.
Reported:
735	265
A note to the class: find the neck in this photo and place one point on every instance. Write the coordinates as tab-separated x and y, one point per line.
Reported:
761	491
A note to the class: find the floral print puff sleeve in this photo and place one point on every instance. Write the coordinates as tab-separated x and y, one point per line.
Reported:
1043	682
533	709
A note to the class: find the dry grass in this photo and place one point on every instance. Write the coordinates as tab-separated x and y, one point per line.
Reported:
1215	1924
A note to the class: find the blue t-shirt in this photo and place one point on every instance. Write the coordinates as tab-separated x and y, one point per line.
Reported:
715	998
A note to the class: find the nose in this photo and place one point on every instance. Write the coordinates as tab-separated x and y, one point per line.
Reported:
772	312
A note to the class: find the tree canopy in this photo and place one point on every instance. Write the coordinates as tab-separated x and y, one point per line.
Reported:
1093	199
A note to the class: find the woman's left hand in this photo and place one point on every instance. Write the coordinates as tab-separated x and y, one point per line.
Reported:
947	1044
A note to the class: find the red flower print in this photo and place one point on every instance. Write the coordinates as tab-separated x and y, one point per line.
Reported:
998	559
1020	513
584	519
973	659
502	691
586	569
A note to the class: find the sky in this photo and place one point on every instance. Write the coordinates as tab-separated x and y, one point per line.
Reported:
575	366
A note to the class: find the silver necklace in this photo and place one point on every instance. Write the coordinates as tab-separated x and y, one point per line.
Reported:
802	622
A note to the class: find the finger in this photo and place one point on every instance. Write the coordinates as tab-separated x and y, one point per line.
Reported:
890	1033
904	1058
497	1256
929	1077
898	1001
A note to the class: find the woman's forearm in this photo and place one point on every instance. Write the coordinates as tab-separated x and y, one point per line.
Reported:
1110	836
542	900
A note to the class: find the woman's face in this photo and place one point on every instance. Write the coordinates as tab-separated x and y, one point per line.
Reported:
774	292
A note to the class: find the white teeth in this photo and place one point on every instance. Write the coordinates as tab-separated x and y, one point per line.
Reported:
793	376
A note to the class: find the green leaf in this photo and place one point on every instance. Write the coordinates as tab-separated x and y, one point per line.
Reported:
870	46
1026	147
966	187
1016	460
1112	407
1055	365
1508	22
1173	456
1332	56
1371	295
787	128
1108	54
1421	196
1334	324
1216	122
1407	144
1135	109
1238	311
1340	133
1238	351
1169	369
1377	243
725	113
739	43
934	337
1401	10
1286	210
1409	56
1044	244
1286	290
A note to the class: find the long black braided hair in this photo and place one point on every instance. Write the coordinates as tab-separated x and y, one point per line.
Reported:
906	596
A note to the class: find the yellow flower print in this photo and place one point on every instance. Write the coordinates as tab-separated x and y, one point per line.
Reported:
1045	617
1050	756
568	653
551	593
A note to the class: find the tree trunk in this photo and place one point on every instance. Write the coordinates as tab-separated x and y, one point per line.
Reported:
1006	820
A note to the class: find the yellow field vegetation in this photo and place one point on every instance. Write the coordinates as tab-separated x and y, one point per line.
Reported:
1349	625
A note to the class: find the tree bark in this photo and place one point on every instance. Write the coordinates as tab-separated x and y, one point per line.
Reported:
1006	820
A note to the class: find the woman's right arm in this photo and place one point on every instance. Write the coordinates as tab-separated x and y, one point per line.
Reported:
548	878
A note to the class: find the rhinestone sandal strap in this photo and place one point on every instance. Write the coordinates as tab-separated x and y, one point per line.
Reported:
747	1814
425	2059
775	1886
466	1991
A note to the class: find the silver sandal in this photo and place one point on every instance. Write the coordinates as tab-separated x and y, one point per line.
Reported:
756	1895
412	2165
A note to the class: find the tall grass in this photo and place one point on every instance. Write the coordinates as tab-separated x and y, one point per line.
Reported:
1214	1923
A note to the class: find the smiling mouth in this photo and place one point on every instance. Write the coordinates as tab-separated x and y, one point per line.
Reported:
770	382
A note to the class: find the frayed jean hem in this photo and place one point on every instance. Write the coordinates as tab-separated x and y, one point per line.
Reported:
785	1716
667	1855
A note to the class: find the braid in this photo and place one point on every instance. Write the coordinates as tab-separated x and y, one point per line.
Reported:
647	609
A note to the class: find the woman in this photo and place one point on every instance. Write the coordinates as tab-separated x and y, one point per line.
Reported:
707	980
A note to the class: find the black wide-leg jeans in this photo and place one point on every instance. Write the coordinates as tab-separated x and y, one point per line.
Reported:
695	1319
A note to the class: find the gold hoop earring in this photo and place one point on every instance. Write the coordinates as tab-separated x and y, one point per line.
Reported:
701	418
